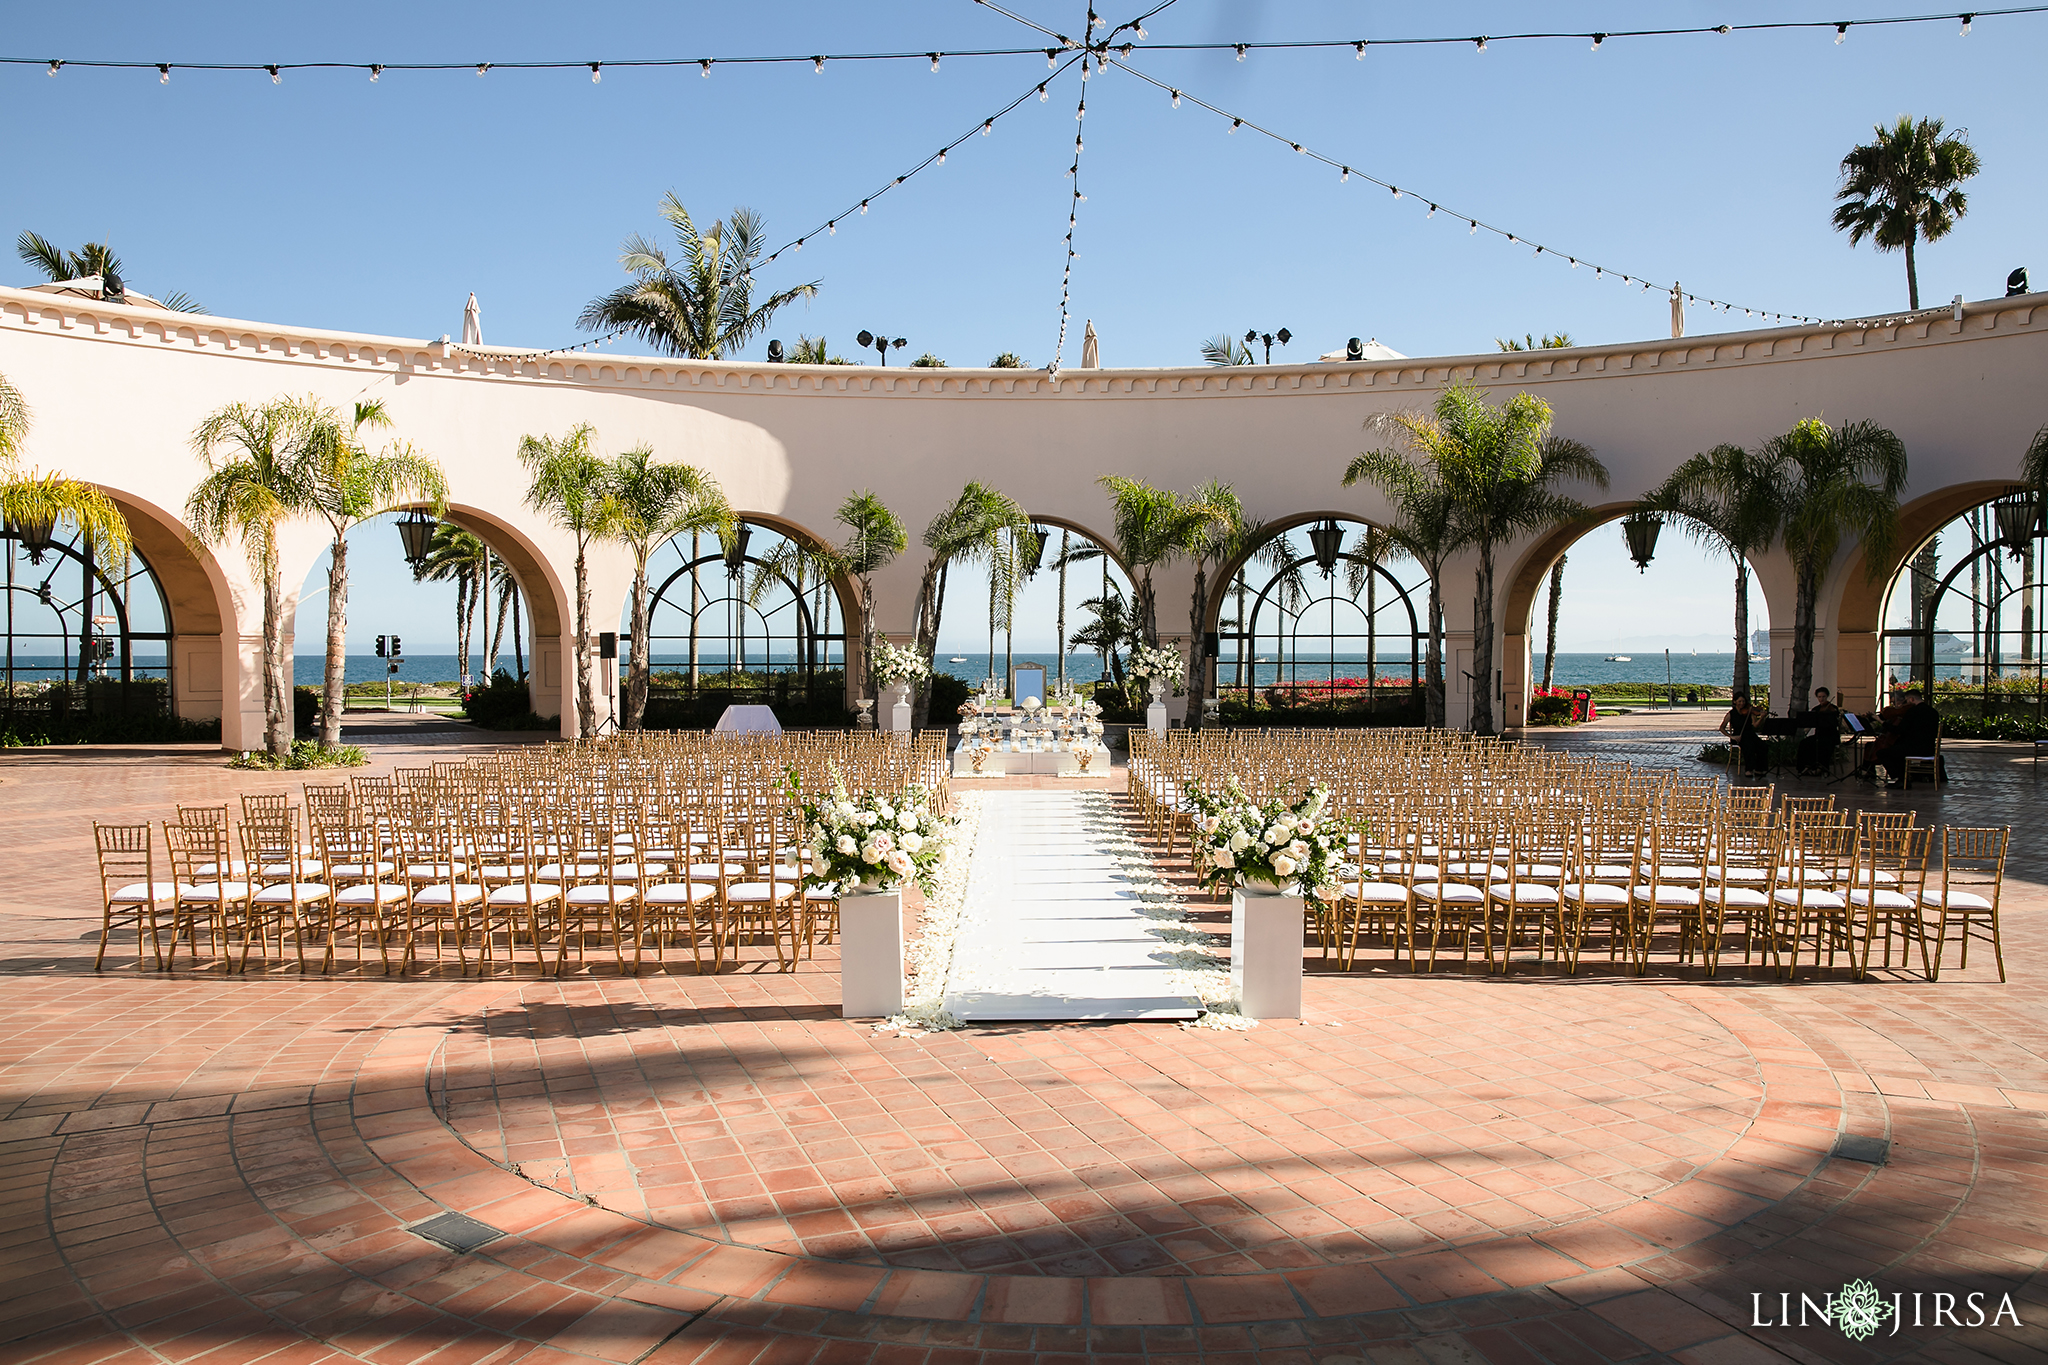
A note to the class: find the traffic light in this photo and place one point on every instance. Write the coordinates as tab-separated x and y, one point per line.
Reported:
397	650
380	646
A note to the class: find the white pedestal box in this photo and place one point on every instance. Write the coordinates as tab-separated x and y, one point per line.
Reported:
1155	718
896	708
1266	933
871	955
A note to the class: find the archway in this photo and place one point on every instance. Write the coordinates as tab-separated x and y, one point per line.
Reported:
479	562
759	618
1334	628
1653	632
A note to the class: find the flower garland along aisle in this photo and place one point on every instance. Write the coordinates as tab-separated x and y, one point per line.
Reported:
1198	969
880	844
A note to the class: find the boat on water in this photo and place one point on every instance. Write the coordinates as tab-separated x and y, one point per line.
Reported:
1619	659
957	659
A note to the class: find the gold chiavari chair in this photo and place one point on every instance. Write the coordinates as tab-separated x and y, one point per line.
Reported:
129	887
1967	892
1890	874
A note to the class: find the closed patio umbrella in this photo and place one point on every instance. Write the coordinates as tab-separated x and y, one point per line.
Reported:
472	323
1091	349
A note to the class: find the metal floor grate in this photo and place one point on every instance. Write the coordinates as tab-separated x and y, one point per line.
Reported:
456	1231
1869	1149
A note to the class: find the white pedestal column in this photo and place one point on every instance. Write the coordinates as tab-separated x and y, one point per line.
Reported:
1155	718
897	715
1265	954
871	955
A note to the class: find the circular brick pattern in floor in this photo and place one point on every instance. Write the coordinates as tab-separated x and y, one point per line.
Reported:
1411	1116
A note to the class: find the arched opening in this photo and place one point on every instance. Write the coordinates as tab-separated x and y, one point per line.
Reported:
1645	635
1327	626
484	602
759	618
1966	620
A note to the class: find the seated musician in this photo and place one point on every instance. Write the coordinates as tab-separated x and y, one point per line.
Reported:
1739	725
1885	740
1817	750
1913	737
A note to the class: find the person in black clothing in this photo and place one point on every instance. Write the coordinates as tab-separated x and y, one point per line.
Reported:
1817	750
1915	731
1740	726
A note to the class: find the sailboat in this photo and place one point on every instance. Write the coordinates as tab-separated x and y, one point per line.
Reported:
957	659
1619	659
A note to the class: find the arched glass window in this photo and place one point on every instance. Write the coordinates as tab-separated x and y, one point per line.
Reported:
85	631
1965	617
1338	623
755	621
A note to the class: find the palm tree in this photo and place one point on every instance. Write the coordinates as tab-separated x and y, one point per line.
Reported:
347	484
978	528
1424	529
1369	549
94	258
1112	630
1552	341
1903	188
258	461
568	487
875	536
701	307
1227	536
42	501
1825	483
1723	498
1550	626
1225	349
1153	526
1501	466
459	557
652	501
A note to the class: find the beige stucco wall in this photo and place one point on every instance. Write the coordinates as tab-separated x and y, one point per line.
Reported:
116	392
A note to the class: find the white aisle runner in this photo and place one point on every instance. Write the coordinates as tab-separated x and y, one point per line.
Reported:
1051	928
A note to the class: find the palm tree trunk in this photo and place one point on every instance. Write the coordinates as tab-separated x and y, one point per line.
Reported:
518	647
336	680
1482	643
992	625
867	633
931	596
1912	276
491	637
696	548
1550	627
1198	662
1741	677
1148	616
498	632
277	716
637	669
586	704
1433	668
1063	613
1244	638
461	644
1800	684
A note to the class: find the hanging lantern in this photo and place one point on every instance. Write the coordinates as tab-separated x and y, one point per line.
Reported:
736	550
1640	529
1036	559
416	533
2018	514
1327	540
36	535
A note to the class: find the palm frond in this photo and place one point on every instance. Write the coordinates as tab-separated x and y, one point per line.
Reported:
51	499
15	420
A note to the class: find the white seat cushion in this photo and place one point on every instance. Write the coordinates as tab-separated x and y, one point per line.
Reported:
1957	900
213	891
679	893
1450	893
1595	893
1661	894
1610	872
283	893
539	893
711	872
566	872
369	893
138	893
458	893
602	893
1886	900
307	867
357	870
632	872
1376	893
427	871
1811	900
1524	893
1737	898
237	868
1539	872
760	893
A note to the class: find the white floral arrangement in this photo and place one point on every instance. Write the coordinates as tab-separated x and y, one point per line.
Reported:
1160	663
897	664
1288	845
872	843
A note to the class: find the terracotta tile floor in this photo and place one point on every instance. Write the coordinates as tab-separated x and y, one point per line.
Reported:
685	1168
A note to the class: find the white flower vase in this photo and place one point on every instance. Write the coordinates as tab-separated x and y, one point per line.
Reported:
871	954
1266	932
1155	714
897	697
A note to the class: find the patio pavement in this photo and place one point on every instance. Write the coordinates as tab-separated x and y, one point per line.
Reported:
719	1169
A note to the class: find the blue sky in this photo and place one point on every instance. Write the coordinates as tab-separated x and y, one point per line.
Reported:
331	201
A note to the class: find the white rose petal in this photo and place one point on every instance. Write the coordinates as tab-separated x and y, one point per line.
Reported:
846	844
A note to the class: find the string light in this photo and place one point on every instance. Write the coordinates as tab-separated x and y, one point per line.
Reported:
482	67
375	72
1240	51
705	67
1050	54
1598	39
1041	94
596	72
1176	99
1966	25
935	60
1482	43
1344	178
818	65
986	126
1361	52
163	75
275	77
942	156
54	67
1841	32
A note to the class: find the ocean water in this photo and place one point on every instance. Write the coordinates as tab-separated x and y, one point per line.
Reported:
1688	669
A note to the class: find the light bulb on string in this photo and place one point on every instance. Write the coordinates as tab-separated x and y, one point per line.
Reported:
986	125
596	72
1574	260
942	156
1041	94
863	208
1050	54
1966	25
1481	43
1474	229
1598	39
375	72
163	76
1344	175
1396	189
1240	51
276	77
1841	32
1299	148
1431	213
54	67
832	228
1236	124
482	67
1360	47
704	68
818	65
1176	99
1139	29
935	60
1511	237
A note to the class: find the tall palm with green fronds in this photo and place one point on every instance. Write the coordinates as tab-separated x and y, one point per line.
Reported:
1225	349
699	305
1154	527
1110	630
347	483
1228	535
459	557
1826	484
1903	188
1370	548
1424	527
980	527
652	500
1722	498
257	458
568	487
94	258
